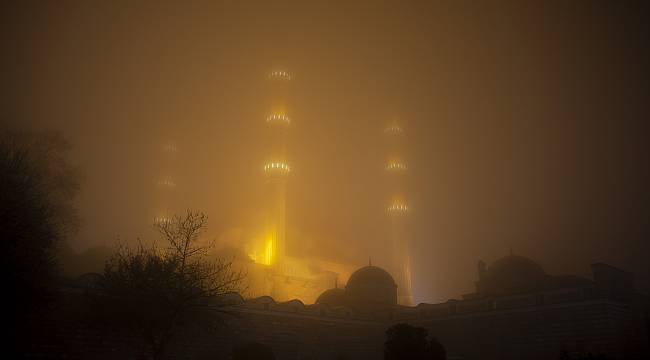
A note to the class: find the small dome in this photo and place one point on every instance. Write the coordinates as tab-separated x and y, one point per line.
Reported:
332	297
370	288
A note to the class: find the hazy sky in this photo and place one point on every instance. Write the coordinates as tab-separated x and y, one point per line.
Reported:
526	121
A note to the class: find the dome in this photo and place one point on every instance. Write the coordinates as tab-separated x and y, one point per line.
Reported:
332	297
516	264
371	275
371	288
512	274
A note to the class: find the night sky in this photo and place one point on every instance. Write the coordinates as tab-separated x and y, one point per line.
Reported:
526	122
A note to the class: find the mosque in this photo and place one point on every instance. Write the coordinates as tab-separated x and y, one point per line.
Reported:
309	308
312	308
518	311
270	268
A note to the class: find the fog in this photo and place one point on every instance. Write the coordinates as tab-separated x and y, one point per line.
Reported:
525	123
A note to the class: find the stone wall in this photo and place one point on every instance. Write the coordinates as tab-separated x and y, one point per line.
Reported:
292	330
527	326
542	332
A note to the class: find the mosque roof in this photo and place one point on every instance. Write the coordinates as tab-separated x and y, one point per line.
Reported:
332	297
370	276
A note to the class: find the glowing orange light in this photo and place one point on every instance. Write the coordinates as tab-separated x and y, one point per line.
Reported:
268	251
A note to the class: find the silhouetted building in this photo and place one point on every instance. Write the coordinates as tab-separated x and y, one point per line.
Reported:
518	311
369	289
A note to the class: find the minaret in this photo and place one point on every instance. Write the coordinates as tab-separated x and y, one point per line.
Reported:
397	211
276	169
166	197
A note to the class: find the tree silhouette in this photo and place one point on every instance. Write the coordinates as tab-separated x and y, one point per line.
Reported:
252	351
435	350
37	190
155	292
405	342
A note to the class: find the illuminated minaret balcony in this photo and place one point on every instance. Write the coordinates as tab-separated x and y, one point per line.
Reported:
161	220
277	169
166	183
278	119
395	166
394	129
170	148
398	208
280	75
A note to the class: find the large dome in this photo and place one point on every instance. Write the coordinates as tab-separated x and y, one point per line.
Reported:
512	264
371	275
370	288
512	274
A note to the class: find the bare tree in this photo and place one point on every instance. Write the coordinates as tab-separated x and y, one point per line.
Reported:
156	292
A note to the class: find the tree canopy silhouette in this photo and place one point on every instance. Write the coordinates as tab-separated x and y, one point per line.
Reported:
37	190
252	351
154	291
405	341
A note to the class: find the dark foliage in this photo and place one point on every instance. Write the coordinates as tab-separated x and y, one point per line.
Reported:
409	342
37	188
435	350
565	355
252	351
154	293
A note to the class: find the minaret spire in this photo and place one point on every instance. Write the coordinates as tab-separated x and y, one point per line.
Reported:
166	182
397	209
276	169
